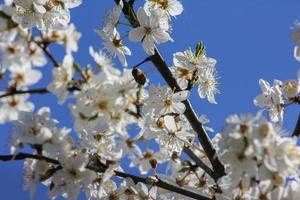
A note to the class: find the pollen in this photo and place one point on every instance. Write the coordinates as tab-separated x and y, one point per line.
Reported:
13	102
168	103
103	104
148	30
117	42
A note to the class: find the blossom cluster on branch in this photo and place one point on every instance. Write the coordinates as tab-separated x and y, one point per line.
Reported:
250	158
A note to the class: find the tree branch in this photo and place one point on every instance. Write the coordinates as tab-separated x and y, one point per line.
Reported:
190	114
23	156
296	131
34	91
200	163
136	179
47	52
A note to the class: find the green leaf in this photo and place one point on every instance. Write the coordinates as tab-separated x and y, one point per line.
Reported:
76	67
200	50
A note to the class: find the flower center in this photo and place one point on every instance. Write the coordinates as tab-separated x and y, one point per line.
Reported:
168	103
103	104
117	42
148	30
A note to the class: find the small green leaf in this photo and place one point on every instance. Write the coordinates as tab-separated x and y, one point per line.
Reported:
78	69
151	179
200	50
62	4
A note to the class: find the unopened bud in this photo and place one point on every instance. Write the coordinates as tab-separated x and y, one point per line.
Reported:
290	88
151	180
153	163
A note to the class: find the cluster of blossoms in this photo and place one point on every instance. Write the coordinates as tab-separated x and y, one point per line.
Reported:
46	15
261	162
281	94
22	53
192	68
152	27
278	96
107	102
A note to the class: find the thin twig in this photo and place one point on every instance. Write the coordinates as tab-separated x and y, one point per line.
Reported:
139	64
200	163
136	179
23	156
296	131
34	91
47	52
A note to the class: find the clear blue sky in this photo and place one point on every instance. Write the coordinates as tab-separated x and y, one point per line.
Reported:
249	38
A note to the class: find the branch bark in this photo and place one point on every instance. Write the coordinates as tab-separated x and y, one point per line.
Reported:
200	163
190	114
47	52
296	131
33	91
160	183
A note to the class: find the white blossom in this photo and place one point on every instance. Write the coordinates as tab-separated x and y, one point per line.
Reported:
61	78
170	7
271	99
113	43
152	30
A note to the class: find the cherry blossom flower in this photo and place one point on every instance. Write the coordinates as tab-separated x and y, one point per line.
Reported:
33	171
46	15
170	7
73	176
271	99
152	30
11	106
112	19
113	43
208	85
25	75
163	101
61	78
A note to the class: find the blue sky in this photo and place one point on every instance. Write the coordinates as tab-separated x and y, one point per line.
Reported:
249	38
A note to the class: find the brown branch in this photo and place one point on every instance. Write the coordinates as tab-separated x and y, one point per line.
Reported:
190	114
34	91
47	52
296	131
136	179
200	163
22	156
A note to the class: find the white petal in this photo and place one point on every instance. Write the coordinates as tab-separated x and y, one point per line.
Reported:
137	34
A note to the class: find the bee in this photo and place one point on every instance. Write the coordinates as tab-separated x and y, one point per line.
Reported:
139	76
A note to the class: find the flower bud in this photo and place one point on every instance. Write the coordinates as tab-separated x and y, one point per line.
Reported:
290	88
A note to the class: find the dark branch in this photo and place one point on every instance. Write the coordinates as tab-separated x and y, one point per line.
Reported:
47	52
296	131
136	179
200	163
33	91
164	185
190	114
23	156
